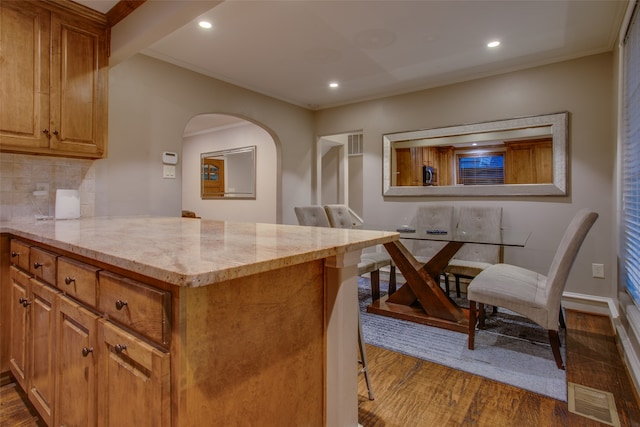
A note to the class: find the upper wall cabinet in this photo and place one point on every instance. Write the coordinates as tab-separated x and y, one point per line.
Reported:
53	79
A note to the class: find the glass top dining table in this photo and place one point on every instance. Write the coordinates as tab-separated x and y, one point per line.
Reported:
421	299
508	237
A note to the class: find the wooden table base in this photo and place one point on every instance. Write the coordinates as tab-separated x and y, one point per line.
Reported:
421	299
415	313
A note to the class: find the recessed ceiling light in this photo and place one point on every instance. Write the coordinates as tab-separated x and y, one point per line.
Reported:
494	43
333	85
205	24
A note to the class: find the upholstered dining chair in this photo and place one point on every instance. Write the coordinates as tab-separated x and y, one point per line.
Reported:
340	217
313	215
432	217
482	222
527	292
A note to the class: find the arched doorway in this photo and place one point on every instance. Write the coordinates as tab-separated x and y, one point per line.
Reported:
219	132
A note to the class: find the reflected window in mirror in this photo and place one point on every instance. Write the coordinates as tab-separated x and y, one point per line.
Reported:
229	173
523	156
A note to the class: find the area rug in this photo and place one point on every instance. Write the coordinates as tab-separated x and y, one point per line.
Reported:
511	350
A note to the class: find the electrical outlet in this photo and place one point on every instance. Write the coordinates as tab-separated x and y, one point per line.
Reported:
598	271
42	186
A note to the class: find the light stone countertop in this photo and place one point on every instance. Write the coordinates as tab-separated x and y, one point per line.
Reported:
194	252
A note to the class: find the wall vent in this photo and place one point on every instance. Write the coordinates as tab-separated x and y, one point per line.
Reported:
355	144
595	404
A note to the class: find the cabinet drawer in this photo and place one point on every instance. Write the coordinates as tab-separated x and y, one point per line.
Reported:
78	280
20	254
43	265
138	306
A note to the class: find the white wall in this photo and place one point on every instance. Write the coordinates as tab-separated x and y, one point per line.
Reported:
263	208
331	176
151	101
584	87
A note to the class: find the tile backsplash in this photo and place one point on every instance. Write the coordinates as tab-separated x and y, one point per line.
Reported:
20	176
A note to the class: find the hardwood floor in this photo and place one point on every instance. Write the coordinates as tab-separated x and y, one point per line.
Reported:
14	411
412	392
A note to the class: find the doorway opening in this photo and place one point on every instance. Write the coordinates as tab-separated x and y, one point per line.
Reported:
339	169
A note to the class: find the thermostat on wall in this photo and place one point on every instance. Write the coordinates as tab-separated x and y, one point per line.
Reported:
169	158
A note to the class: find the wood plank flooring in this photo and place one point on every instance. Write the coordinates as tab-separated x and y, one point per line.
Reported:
411	392
14	411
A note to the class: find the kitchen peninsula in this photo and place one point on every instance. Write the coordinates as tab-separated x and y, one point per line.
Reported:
182	322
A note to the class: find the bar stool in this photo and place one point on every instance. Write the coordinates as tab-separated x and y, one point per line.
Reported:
363	358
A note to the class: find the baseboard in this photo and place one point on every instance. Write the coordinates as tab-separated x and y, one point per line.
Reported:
627	327
590	304
6	378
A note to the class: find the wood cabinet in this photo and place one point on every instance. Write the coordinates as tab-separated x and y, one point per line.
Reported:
525	162
133	380
42	348
529	162
142	308
76	364
53	90
32	339
18	326
32	302
411	160
78	280
88	353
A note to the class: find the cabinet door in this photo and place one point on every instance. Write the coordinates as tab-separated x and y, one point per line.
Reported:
19	322
42	339
133	380
78	98
75	364
24	67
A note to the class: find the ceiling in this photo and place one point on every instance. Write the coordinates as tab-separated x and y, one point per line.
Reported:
291	50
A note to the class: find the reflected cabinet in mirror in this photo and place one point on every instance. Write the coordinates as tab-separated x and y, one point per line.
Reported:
524	156
229	173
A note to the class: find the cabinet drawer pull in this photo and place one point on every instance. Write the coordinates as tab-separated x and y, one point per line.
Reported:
15	254
25	302
37	265
120	304
45	131
69	280
86	351
55	132
119	348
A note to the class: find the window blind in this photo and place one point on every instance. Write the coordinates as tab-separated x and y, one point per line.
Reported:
631	159
481	170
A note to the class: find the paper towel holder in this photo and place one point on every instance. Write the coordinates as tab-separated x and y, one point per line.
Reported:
67	204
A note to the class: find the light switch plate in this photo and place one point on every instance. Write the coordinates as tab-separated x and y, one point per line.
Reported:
598	271
168	171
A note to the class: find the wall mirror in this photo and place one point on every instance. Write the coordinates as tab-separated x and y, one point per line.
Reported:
229	173
524	156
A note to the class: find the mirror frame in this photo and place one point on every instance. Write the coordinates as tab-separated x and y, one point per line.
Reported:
559	132
229	195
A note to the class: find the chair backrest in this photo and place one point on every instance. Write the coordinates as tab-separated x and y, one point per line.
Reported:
339	216
481	222
432	217
566	255
312	215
